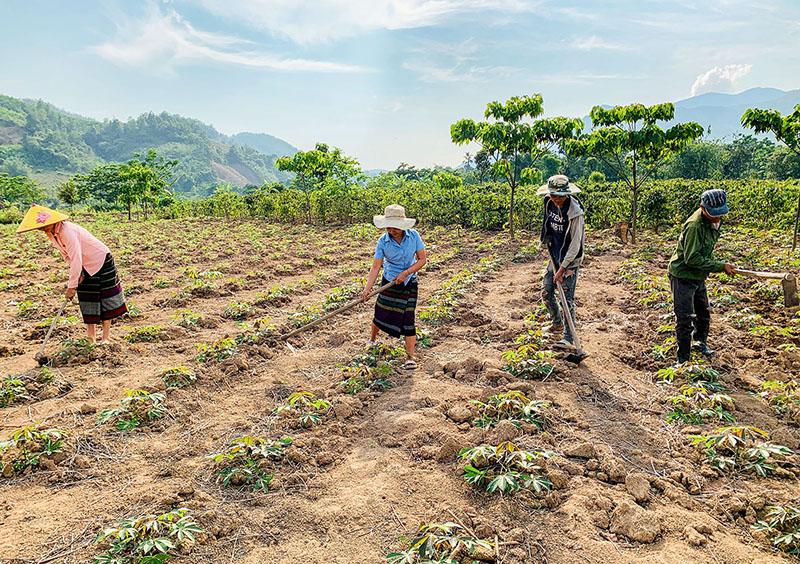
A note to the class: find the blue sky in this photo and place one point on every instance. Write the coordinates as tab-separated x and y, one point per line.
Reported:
384	79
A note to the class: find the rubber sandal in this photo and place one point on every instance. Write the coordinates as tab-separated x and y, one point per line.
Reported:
409	365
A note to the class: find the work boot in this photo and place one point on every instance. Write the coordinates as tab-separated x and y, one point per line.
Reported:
553	329
564	345
702	348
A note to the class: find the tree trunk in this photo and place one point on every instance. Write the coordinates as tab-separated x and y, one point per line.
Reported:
511	211
129	211
634	205
796	223
635	200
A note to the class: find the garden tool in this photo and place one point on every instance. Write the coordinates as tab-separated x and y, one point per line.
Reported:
40	357
788	282
579	354
345	307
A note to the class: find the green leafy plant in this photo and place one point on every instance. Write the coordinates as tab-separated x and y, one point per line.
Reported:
362	376
528	362
248	461
219	350
136	408
783	397
25	447
146	334
697	373
340	295
238	311
12	390
695	403
781	525
26	309
441	306
443	543
741	448
306	407
305	315
148	539
505	468
186	318
511	406
178	377
75	349
259	331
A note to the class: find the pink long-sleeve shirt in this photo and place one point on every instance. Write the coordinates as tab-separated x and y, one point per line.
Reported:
80	249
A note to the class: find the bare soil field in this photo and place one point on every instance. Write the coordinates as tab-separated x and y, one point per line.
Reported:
375	451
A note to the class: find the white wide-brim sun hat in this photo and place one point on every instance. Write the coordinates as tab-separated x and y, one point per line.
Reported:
394	216
558	185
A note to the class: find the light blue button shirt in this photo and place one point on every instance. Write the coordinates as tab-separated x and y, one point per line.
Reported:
398	257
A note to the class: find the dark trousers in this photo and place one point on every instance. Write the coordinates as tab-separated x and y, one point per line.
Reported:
692	313
551	300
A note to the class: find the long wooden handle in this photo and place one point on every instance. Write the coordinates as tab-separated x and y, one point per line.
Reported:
345	307
52	325
756	274
568	317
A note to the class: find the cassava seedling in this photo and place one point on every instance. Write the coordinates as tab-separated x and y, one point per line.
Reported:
306	407
138	407
781	525
513	406
146	334
696	403
150	539
178	377
444	543
249	461
186	318
364	377
742	448
505	468
219	350
783	397
25	447
238	311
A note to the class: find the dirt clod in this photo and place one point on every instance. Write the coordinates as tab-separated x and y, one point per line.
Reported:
637	524
638	486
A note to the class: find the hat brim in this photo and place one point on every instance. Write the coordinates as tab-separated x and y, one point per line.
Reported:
544	190
30	223
718	211
382	222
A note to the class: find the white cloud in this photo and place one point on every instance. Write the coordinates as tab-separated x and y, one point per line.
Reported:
594	43
436	61
459	72
720	77
162	41
306	21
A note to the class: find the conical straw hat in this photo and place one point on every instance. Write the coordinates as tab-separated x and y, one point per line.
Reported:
38	217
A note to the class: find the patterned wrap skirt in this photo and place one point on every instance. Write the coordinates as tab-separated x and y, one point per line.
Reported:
395	309
100	296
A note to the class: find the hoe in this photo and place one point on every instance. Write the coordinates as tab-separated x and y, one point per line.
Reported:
40	357
788	282
578	354
345	307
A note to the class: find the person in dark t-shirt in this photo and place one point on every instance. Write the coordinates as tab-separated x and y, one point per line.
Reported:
563	233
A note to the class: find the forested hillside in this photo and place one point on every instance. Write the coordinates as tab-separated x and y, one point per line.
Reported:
36	137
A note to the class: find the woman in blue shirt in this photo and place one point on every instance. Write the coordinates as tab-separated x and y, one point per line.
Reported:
401	253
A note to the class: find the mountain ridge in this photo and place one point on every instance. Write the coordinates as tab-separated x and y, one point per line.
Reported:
40	139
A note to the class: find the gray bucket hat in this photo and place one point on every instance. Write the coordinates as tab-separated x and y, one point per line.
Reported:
558	185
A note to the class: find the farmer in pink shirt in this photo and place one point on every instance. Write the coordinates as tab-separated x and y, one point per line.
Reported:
92	273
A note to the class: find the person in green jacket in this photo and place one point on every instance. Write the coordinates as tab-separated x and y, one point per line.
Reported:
689	267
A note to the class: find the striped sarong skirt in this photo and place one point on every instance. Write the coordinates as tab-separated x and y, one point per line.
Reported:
395	309
100	296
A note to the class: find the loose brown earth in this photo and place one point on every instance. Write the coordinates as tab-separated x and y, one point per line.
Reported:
628	488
